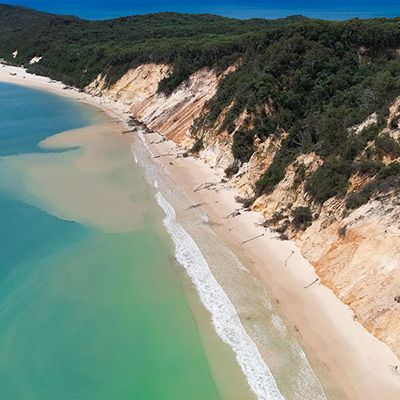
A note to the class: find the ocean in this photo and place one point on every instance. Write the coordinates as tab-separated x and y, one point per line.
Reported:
92	306
111	286
335	10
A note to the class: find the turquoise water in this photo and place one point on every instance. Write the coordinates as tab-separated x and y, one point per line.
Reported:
29	116
84	313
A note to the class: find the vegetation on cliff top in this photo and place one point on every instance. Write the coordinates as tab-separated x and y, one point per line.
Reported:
76	50
311	79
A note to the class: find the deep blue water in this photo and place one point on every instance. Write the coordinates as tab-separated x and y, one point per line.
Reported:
339	9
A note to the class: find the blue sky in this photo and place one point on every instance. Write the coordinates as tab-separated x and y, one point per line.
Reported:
339	9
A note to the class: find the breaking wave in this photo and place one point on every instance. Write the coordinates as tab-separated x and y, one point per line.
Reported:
223	314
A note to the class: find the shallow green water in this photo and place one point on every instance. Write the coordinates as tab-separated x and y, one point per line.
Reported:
86	314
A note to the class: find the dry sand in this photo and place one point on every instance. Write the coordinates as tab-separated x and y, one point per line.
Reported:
359	363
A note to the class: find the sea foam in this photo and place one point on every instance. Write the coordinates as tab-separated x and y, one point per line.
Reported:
223	314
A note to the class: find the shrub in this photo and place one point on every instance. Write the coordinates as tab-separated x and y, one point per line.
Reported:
371	131
387	145
181	72
357	199
329	180
276	171
300	175
198	145
283	236
342	231
368	167
387	178
245	202
394	123
302	217
231	170
268	181
393	169
243	145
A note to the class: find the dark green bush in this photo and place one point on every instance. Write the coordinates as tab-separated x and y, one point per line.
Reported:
231	170
393	169
371	131
275	173
302	217
357	199
243	145
385	144
329	180
300	176
198	145
387	178
394	123
367	167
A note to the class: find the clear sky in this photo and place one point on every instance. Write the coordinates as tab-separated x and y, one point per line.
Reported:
336	9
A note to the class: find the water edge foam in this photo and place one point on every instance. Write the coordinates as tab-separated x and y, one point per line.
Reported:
223	314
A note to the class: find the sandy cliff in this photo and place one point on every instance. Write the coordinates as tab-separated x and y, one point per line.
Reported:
171	115
357	254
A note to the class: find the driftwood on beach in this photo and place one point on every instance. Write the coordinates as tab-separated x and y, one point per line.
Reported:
158	141
139	124
288	258
205	186
163	155
253	238
196	206
312	283
128	131
233	214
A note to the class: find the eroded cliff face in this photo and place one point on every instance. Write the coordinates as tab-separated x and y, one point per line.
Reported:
171	115
356	253
358	256
135	87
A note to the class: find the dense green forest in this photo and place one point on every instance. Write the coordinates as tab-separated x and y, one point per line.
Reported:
318	78
76	51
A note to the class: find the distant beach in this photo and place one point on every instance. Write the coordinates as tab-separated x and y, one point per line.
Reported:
280	303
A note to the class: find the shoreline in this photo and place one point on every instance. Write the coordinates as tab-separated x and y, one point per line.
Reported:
89	280
358	362
224	317
19	76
